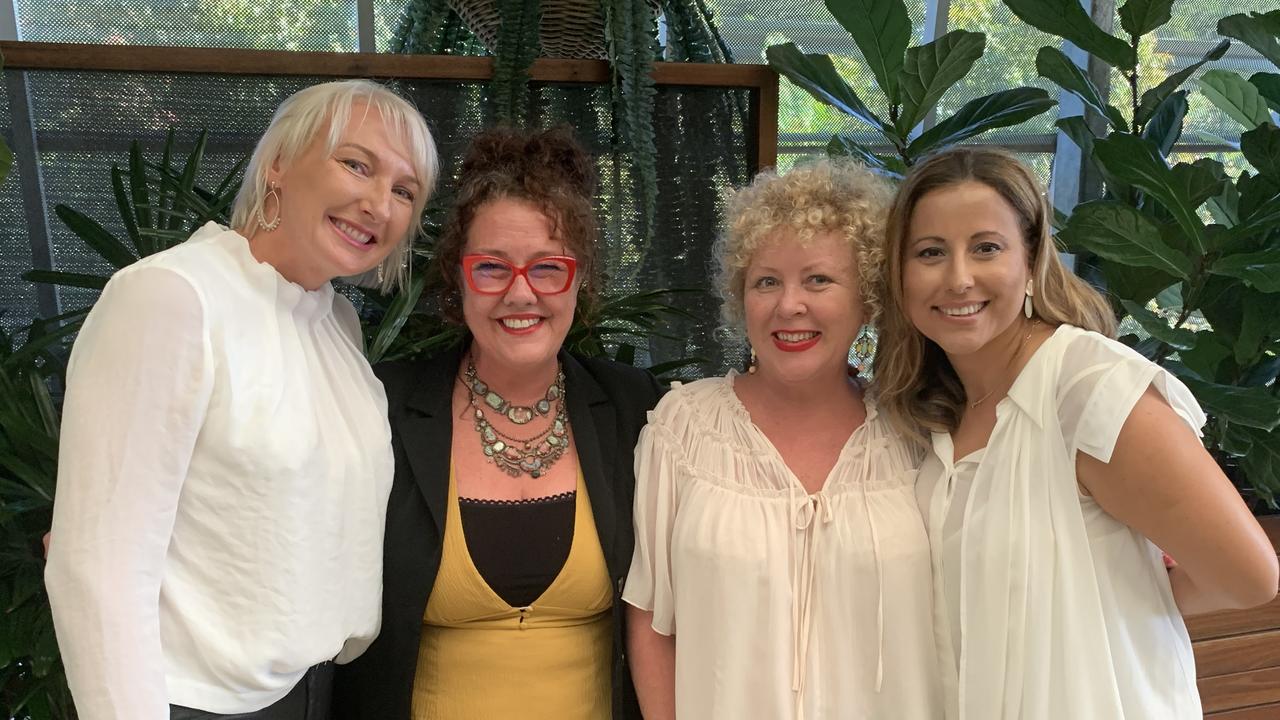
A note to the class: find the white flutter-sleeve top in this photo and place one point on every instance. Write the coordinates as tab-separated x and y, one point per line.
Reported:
1048	607
223	475
784	604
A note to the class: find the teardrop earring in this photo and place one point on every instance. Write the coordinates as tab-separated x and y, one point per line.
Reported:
1027	308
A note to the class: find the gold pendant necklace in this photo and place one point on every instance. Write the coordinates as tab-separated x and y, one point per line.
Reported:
1016	353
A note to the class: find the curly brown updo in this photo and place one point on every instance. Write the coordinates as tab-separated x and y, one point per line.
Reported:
546	168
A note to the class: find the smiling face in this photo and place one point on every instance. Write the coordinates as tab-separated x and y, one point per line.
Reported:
519	330
343	212
965	267
803	306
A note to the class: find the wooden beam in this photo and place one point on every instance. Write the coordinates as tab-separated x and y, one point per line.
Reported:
224	61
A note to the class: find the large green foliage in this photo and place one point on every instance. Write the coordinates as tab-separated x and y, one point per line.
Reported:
912	80
1191	254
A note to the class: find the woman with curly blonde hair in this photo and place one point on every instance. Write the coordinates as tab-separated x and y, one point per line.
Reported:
777	535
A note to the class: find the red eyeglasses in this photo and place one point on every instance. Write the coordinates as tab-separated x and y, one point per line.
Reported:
489	275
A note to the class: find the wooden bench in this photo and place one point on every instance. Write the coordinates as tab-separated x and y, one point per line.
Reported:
1238	657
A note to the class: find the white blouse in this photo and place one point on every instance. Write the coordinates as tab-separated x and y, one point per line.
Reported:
223	474
1047	607
784	604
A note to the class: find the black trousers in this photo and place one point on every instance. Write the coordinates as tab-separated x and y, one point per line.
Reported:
308	700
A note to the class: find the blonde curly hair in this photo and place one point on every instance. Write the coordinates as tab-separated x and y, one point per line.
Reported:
826	195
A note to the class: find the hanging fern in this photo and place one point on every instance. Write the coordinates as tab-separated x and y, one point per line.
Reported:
629	32
517	48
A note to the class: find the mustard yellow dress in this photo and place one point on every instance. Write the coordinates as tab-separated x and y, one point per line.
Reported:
481	658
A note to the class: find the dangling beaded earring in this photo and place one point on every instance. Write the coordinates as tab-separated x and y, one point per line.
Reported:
751	364
1027	309
262	218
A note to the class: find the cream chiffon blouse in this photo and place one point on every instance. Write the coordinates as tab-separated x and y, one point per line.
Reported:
784	604
1047	607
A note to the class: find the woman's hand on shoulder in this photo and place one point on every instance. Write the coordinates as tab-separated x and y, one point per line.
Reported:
1164	484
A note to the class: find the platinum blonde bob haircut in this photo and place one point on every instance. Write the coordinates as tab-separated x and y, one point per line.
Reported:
300	120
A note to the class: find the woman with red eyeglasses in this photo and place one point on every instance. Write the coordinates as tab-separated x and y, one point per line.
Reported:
509	525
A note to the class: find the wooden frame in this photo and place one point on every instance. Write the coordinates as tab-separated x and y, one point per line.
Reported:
69	56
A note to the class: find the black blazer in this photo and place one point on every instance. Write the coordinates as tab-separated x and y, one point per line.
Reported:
608	403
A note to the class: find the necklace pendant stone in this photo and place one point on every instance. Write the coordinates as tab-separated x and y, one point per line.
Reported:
519	415
494	400
543	406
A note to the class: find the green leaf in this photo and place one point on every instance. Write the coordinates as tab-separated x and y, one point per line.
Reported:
882	30
1152	98
6	160
1165	126
1139	17
1068	20
1157	327
843	146
931	69
1261	465
1199	181
1207	356
1225	208
108	246
1236	97
1258	325
816	74
1133	282
68	279
1138	162
1261	147
1268	85
1119	232
395	317
126	210
1260	270
1249	406
999	109
1255	31
1078	131
139	192
1053	65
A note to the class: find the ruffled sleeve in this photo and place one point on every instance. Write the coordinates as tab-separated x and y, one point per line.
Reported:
658	460
1101	382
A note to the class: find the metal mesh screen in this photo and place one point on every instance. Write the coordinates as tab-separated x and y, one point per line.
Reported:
280	25
17	296
1190	34
86	120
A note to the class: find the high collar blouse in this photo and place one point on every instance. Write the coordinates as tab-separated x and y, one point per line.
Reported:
1046	606
223	474
785	604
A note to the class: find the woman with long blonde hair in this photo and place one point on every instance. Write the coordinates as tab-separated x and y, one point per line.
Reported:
1062	461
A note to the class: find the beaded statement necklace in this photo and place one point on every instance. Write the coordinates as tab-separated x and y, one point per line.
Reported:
533	455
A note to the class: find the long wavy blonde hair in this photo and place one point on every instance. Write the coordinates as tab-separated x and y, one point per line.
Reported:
918	388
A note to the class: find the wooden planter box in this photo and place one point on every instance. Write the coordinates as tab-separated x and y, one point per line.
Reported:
1238	656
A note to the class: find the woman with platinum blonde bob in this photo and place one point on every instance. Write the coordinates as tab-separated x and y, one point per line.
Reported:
1061	463
225	457
781	568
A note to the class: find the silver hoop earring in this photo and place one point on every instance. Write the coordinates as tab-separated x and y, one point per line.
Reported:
1027	309
262	219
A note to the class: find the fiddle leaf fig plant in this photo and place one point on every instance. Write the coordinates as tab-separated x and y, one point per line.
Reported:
912	79
1188	255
